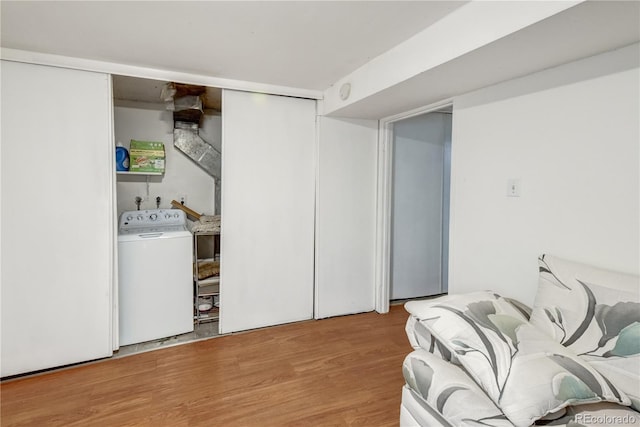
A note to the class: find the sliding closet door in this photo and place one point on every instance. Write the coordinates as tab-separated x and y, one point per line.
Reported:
345	216
267	210
57	217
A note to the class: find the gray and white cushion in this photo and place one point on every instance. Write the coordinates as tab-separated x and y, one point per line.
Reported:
595	313
450	391
421	338
525	373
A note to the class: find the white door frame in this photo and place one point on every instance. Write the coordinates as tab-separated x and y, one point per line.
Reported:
382	263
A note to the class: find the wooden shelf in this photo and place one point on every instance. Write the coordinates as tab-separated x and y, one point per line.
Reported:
206	290
130	173
213	314
213	280
207	233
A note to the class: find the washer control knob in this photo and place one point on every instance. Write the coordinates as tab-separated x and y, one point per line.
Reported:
153	217
167	216
129	217
176	216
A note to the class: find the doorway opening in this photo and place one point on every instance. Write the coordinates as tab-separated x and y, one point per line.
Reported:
413	203
420	206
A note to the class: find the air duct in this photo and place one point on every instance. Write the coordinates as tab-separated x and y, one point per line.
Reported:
186	103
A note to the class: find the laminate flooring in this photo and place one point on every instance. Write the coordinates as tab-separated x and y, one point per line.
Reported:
342	371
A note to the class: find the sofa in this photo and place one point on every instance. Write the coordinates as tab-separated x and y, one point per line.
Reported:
573	359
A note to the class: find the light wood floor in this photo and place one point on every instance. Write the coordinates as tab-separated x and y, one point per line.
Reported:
332	372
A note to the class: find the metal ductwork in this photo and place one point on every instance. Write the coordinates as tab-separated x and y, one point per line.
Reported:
186	103
187	140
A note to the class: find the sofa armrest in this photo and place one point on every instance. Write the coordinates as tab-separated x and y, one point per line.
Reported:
449	391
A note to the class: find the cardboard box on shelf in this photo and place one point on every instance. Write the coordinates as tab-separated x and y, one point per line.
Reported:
146	156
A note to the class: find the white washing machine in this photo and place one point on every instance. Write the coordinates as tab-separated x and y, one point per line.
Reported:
155	276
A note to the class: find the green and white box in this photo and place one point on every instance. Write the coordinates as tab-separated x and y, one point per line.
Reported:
146	156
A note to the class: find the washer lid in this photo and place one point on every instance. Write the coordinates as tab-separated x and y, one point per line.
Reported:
145	233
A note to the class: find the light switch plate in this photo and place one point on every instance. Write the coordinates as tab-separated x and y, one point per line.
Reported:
513	187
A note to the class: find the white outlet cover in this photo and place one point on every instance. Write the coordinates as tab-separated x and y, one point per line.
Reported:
513	187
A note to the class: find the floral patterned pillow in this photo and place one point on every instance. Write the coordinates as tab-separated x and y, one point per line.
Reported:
526	373
450	391
595	313
421	338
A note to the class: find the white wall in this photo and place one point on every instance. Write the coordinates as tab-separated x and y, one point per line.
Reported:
418	184
182	176
571	135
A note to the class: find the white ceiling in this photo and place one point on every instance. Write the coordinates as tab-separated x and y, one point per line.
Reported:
299	44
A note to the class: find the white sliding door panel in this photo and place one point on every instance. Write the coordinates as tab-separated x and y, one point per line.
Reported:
267	210
57	267
345	233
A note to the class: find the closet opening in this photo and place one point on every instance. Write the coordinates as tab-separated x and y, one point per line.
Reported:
185	122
